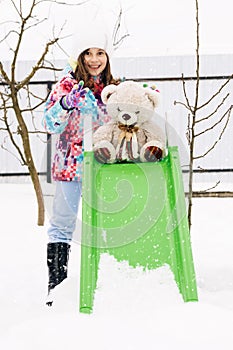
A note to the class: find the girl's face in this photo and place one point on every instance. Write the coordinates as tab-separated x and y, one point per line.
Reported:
95	61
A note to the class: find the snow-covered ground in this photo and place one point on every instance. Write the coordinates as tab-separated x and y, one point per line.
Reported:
133	310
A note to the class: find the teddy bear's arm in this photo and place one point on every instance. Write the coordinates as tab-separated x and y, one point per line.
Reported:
155	143
154	132
104	150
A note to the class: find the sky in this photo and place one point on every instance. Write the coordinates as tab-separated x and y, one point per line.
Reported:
154	27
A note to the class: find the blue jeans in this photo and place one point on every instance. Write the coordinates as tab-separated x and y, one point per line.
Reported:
65	209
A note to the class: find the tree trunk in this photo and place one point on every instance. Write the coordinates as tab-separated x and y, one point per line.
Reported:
39	194
28	160
190	191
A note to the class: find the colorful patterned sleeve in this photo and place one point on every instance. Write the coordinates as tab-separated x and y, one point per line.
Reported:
55	117
102	118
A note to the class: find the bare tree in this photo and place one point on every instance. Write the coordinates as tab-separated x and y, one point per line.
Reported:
194	111
13	118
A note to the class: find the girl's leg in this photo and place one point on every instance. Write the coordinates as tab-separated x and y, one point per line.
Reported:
65	209
60	232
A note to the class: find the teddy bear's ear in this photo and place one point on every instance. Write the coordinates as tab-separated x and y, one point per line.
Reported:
107	92
153	96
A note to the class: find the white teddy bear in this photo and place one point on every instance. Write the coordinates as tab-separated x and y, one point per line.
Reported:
132	134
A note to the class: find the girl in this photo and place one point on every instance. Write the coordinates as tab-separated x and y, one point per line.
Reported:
63	115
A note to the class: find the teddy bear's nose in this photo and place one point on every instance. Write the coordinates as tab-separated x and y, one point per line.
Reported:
126	116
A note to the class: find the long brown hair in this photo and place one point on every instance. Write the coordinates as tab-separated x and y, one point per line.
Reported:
82	74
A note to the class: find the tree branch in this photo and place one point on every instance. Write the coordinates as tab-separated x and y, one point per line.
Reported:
219	138
215	111
215	124
117	41
4	74
217	93
26	80
12	138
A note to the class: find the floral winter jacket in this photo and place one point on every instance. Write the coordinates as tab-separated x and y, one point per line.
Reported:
68	124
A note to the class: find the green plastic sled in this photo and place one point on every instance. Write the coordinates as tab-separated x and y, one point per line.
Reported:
135	212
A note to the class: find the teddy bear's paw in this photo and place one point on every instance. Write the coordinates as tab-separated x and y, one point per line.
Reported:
102	155
153	154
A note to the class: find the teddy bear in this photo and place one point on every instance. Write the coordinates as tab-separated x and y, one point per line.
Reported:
132	135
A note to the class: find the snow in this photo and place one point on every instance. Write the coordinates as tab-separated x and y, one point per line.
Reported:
133	309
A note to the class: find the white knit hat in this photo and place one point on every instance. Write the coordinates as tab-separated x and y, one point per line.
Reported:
97	35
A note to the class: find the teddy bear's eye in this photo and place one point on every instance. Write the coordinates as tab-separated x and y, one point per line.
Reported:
137	112
118	109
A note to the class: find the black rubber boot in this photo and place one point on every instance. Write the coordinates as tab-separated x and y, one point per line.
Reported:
57	261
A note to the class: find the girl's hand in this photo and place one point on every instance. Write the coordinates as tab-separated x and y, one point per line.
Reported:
75	98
